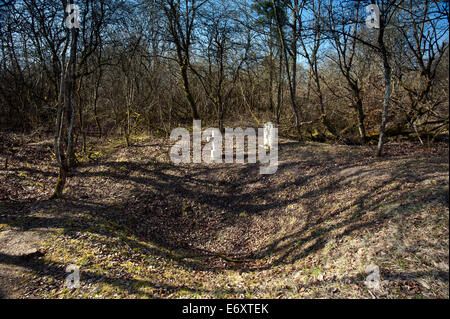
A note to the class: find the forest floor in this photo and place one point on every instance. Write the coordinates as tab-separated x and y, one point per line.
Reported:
138	226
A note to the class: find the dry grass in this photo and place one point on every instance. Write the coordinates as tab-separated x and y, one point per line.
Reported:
140	227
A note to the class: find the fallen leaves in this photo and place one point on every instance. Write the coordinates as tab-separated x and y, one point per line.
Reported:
307	231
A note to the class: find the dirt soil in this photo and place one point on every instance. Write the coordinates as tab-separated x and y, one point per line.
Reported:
138	226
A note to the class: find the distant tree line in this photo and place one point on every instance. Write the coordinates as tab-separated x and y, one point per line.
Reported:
314	67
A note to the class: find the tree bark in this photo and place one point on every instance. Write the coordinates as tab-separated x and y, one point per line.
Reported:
292	81
66	108
387	98
188	94
361	117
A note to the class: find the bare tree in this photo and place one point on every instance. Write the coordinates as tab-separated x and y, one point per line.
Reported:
346	49
225	53
386	15
291	50
311	37
63	141
181	19
423	29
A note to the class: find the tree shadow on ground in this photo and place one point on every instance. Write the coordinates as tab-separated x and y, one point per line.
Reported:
181	209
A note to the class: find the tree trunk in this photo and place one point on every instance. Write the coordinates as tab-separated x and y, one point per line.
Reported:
63	142
187	92
361	116
95	98
387	98
292	81
271	76
61	181
280	85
